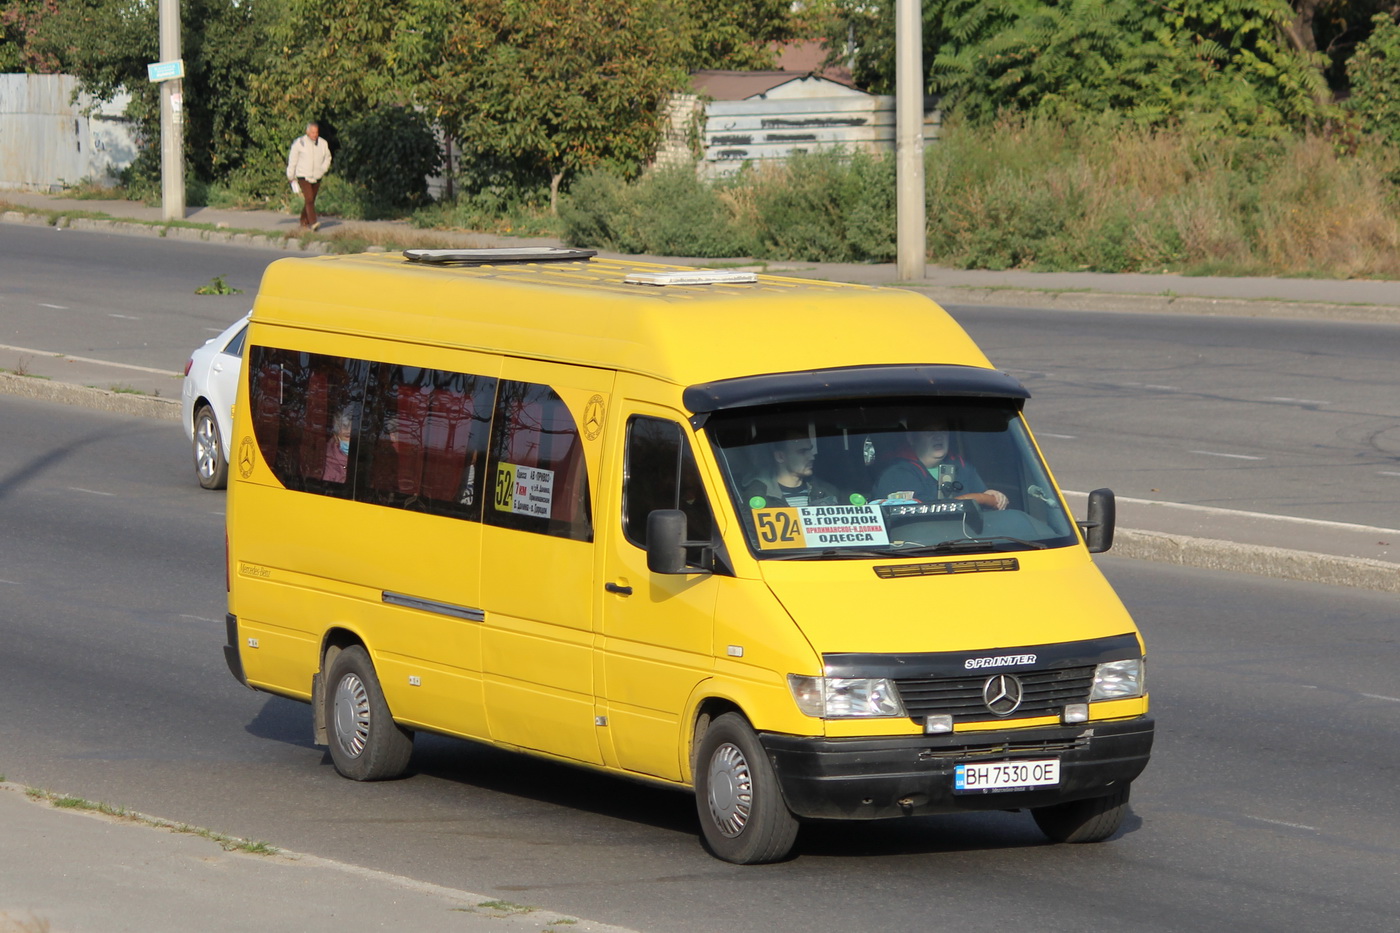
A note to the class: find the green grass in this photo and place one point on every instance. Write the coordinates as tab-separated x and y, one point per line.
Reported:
226	842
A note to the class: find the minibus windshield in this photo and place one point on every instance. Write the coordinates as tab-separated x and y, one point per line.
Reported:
850	480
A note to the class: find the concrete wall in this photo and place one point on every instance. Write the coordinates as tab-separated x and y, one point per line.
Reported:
49	140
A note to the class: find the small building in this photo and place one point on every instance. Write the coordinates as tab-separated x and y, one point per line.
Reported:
730	118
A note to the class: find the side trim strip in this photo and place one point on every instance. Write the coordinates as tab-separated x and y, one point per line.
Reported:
432	605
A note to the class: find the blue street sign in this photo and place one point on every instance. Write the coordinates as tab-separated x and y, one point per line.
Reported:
166	71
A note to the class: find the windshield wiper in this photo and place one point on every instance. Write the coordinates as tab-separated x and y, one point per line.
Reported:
974	544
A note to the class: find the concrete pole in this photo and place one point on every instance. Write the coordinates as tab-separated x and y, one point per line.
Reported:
172	118
912	248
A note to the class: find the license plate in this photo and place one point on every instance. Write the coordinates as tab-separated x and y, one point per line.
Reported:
1005	775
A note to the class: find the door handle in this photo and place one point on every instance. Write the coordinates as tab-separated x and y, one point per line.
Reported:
618	588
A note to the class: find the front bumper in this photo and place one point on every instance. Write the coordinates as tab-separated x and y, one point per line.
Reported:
876	778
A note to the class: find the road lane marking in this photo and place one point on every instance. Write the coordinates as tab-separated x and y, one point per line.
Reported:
1296	401
10	582
200	618
58	354
95	492
1241	514
1212	453
124	317
55	307
1388	473
1311	829
1063	437
1377	696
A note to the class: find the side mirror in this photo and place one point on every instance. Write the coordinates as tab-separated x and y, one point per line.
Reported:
1103	515
666	543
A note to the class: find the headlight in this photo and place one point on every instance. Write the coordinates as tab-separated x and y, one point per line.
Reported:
1118	680
846	697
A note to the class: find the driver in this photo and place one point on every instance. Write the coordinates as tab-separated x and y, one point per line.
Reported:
922	470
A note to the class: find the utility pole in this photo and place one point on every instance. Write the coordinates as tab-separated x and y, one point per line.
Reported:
912	245
172	117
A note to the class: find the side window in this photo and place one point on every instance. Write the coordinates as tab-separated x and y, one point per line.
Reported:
306	414
660	473
235	346
538	475
424	440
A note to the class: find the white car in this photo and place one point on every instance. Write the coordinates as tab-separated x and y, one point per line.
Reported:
206	402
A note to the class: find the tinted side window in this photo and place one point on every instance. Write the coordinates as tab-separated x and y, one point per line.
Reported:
424	440
306	412
660	473
539	479
235	346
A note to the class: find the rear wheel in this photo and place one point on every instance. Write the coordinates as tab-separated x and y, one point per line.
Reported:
366	744
210	461
740	804
1092	820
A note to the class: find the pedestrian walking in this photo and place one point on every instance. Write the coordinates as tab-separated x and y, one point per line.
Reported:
307	162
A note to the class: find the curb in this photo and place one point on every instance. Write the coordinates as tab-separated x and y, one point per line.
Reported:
1156	304
170	231
122	403
1258	559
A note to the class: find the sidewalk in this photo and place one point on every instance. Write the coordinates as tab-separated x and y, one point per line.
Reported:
77	871
1325	552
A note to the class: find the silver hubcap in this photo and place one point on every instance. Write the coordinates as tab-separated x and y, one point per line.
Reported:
206	447
731	789
351	715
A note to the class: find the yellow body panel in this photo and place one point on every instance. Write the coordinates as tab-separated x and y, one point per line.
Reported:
572	648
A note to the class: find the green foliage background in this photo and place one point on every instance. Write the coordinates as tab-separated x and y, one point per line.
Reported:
1255	135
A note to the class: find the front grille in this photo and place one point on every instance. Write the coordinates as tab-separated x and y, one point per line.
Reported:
1044	693
1023	749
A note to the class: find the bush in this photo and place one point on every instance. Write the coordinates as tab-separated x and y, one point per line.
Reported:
669	211
385	156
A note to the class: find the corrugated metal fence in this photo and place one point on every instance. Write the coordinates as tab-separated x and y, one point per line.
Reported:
49	140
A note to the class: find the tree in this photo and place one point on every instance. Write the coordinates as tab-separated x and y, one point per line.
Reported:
107	44
20	21
734	34
1375	79
1259	66
553	87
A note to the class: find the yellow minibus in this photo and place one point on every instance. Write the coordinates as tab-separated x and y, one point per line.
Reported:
789	544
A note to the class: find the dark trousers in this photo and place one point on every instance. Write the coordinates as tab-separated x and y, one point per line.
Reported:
308	196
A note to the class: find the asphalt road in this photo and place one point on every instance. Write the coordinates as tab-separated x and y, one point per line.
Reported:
1268	805
1298	418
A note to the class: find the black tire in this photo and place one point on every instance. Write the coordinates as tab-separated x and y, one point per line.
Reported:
210	455
741	807
366	744
1092	820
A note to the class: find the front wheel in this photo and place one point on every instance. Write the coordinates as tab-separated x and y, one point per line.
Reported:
1092	820
210	461
366	743
741	808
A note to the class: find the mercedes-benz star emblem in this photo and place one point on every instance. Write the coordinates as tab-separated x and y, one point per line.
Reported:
1002	693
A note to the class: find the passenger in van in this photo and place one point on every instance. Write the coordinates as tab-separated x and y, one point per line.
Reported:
786	475
338	447
923	470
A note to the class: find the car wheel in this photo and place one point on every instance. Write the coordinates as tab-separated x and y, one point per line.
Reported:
1092	820
741	807
210	462
366	744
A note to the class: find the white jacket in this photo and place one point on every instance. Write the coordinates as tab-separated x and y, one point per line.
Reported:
308	160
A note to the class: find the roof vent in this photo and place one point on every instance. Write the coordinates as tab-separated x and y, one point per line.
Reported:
487	257
692	277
